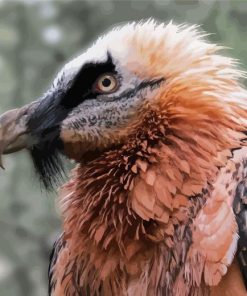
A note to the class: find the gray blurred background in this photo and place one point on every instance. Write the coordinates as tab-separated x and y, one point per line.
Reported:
36	38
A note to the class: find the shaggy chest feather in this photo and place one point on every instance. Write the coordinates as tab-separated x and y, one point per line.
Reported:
132	217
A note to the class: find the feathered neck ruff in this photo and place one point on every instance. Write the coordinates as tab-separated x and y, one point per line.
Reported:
128	212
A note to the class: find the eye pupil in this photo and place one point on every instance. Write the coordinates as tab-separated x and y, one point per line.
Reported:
106	82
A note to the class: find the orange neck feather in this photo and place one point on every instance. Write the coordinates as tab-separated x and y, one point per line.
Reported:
132	207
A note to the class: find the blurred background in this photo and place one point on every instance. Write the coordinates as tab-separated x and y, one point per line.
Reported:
36	38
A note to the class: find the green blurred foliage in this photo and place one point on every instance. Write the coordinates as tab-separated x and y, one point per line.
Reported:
36	38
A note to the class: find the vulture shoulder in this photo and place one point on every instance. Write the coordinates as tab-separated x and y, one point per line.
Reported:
240	210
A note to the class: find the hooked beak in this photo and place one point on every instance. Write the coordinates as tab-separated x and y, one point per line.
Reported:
13	131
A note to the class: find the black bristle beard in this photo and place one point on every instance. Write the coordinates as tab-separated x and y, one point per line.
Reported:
48	162
44	125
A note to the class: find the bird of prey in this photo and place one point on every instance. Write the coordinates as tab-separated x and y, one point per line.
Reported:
156	119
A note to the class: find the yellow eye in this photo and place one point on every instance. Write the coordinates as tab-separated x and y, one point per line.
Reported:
107	83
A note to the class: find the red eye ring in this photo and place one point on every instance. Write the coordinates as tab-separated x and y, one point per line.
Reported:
106	83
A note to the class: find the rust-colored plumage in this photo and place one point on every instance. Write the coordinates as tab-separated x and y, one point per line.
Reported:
132	215
154	205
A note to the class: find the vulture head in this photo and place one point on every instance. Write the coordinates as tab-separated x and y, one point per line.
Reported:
135	72
152	114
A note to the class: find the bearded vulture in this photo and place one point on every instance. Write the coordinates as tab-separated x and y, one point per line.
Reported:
156	119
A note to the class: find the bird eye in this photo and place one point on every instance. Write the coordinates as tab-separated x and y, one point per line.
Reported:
106	83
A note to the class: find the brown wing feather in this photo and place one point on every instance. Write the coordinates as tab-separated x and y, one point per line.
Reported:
240	210
57	247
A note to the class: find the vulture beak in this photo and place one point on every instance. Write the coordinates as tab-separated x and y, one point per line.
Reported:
13	131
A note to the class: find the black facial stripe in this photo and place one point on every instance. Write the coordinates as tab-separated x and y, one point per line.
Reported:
56	105
152	84
81	87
